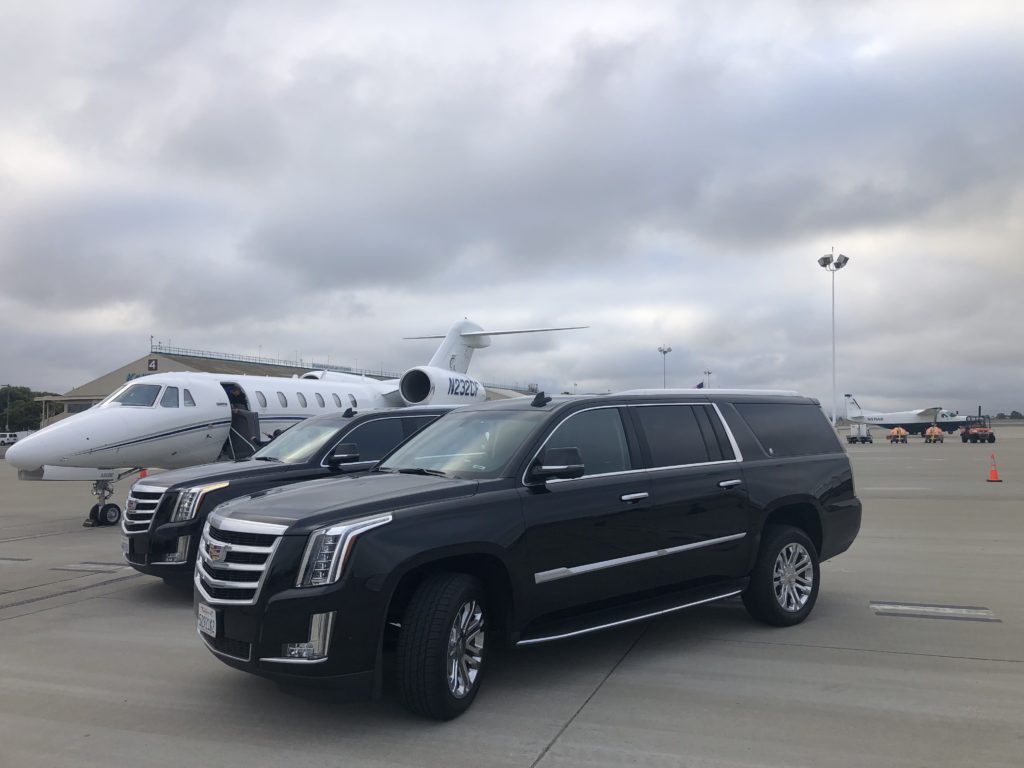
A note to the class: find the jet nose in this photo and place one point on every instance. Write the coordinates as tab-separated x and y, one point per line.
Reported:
27	453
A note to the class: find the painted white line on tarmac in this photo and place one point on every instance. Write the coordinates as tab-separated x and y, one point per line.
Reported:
924	611
895	488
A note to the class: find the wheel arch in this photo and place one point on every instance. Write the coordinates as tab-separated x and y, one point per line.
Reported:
800	513
489	567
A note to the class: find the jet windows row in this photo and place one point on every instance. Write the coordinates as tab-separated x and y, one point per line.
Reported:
304	403
145	396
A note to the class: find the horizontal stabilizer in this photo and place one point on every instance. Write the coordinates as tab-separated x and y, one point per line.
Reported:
475	334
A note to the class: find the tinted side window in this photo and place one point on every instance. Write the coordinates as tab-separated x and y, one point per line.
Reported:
600	438
673	436
376	438
790	429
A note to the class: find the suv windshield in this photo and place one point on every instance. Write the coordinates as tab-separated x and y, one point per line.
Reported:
298	444
477	444
141	395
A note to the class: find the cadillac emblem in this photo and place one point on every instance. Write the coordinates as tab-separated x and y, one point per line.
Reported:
216	552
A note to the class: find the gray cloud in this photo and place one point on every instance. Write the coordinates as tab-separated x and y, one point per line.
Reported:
237	176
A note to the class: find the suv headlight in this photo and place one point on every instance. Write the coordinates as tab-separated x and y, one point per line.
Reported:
190	499
328	549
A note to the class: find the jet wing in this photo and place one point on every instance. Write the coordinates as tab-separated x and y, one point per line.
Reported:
928	413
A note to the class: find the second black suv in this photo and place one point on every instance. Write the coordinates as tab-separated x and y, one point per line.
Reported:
165	512
528	521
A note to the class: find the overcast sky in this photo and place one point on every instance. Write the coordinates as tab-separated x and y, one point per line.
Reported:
323	178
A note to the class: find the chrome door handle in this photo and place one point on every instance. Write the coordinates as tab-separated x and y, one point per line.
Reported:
630	497
729	483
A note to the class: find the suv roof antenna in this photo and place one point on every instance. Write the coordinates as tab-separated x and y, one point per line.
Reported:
540	400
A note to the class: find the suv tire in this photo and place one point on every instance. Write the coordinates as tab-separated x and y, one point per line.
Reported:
441	654
778	590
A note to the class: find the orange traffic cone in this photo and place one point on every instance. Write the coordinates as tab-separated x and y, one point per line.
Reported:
143	473
993	473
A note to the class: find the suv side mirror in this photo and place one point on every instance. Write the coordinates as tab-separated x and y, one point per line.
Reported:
559	464
344	453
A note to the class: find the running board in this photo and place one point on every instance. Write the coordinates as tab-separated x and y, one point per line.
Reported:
627	614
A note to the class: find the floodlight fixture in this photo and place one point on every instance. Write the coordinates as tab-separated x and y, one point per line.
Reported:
825	260
841	261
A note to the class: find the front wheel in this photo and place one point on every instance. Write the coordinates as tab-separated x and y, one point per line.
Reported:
109	514
784	583
991	438
441	650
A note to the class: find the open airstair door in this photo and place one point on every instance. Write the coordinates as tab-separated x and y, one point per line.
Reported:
243	440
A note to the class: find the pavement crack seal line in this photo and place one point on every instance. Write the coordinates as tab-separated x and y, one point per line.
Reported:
926	611
4	606
593	693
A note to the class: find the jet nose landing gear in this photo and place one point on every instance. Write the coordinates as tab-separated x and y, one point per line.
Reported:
103	513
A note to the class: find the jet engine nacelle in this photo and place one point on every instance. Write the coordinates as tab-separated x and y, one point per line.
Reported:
436	386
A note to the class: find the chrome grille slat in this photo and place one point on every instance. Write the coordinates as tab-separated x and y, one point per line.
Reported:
250	575
140	509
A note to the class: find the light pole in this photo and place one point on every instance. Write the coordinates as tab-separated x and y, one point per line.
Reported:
664	356
707	378
7	410
833	264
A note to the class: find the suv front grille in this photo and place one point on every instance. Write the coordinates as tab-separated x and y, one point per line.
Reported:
229	571
228	647
140	509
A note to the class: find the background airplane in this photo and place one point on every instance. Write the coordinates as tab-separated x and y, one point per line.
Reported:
915	422
172	420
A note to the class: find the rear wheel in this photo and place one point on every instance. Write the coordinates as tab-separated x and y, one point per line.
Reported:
991	438
784	583
441	650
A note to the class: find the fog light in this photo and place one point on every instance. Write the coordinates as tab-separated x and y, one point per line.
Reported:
180	555
315	648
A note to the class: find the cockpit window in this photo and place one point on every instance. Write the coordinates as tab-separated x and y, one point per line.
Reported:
170	398
139	395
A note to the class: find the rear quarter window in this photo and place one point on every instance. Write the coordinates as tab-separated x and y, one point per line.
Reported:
790	429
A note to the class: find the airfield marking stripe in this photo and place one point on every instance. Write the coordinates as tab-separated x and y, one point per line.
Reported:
924	611
87	568
15	559
896	615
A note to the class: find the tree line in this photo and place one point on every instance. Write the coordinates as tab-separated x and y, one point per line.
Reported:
18	410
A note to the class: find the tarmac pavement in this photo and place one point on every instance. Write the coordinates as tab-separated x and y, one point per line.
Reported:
100	666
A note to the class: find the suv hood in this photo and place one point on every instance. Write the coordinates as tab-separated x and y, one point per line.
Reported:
211	473
330	500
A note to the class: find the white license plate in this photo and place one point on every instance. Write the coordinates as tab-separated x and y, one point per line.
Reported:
206	620
124	546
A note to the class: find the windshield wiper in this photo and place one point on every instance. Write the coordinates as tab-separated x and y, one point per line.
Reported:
422	471
266	458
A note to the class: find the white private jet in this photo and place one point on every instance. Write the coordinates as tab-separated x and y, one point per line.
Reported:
172	420
915	422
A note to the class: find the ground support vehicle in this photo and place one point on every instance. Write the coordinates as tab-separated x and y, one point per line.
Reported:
165	513
934	435
978	429
859	433
898	435
527	521
8	438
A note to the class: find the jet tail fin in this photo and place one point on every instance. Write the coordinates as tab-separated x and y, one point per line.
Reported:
456	349
853	409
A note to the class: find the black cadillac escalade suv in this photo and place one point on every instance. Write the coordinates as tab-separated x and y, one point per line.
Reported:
528	521
165	512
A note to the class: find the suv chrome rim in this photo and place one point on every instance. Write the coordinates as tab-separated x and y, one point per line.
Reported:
465	648
793	577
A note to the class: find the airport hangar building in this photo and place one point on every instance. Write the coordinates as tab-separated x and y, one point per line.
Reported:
166	359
